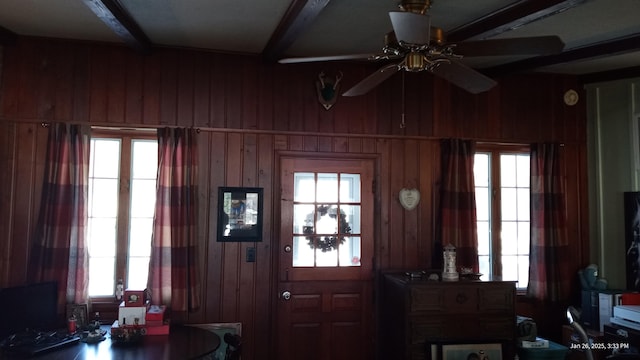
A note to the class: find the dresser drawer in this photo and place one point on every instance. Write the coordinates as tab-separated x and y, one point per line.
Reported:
423	329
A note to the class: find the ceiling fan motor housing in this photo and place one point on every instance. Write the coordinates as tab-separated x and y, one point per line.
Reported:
415	6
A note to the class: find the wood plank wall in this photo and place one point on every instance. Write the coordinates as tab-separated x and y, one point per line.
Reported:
248	111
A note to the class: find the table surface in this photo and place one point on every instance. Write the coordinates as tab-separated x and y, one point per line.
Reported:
182	342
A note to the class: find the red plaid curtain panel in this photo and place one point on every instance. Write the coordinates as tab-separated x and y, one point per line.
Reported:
173	276
458	201
59	251
548	278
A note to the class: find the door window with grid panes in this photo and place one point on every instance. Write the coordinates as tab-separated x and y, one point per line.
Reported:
122	191
326	226
502	181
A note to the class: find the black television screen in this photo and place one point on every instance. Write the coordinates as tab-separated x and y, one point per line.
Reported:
33	307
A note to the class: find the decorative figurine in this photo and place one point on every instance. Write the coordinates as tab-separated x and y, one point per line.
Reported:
449	273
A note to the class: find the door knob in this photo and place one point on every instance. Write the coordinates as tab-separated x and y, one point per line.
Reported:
287	248
286	295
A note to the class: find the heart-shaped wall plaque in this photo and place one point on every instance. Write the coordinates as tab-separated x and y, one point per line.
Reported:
409	198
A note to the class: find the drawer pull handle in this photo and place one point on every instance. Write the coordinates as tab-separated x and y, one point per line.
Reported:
461	298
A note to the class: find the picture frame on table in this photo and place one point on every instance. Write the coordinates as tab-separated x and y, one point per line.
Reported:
79	313
239	214
471	351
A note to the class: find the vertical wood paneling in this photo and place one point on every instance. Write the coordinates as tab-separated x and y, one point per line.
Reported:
133	86
383	248
186	75
396	182
411	225
151	96
263	292
168	87
233	93
218	91
7	183
217	175
116	85
106	84
98	84
201	89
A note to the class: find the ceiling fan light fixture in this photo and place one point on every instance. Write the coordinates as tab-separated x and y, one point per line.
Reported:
415	61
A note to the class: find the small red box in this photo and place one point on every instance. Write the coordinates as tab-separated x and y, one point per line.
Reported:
630	299
133	297
158	330
155	313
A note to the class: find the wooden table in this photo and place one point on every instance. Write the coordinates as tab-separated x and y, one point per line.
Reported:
183	342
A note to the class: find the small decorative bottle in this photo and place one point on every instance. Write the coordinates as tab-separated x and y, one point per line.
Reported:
449	272
119	290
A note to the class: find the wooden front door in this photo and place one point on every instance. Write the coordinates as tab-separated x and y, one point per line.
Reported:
325	308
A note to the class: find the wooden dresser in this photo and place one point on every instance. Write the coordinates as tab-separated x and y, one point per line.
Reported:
416	313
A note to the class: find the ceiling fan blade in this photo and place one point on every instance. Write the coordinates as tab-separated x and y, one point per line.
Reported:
537	45
464	77
325	58
410	27
372	80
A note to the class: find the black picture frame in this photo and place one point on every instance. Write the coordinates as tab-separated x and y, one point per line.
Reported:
240	214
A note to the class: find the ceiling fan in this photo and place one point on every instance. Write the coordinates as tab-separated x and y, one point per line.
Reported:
422	47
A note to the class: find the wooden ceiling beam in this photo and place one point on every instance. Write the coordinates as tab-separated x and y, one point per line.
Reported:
509	18
617	46
121	23
299	16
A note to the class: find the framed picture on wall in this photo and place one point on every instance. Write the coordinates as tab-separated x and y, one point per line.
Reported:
240	214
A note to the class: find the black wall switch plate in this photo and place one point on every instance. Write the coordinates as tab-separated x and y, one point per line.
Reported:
251	254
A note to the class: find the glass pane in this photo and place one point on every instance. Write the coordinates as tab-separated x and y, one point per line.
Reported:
303	217
524	236
485	267
327	190
145	159
102	274
137	273
350	251
352	213
327	220
523	201
349	187
509	238
507	170
304	187
104	198
481	169
140	236
105	152
302	251
482	203
483	237
523	272
326	258
524	169
143	198
509	268
102	237
509	206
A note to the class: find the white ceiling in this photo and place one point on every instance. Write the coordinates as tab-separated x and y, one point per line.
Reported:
342	26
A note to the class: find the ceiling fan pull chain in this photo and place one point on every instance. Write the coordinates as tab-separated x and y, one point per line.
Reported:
402	123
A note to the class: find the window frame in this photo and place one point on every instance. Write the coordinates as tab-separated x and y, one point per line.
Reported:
124	199
495	216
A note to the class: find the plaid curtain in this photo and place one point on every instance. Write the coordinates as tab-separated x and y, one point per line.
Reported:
173	279
59	251
458	201
548	278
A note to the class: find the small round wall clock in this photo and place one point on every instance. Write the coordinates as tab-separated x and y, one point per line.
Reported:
571	97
